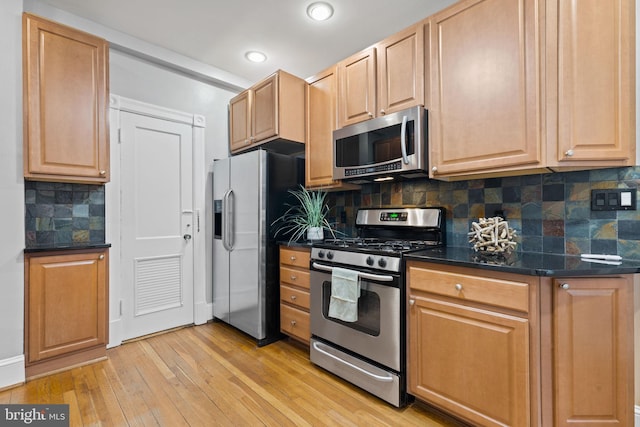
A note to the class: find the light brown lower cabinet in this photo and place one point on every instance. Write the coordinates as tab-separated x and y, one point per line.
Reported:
66	300
593	351
501	349
295	320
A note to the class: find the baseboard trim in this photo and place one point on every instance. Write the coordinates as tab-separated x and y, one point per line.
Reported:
12	371
115	333
203	313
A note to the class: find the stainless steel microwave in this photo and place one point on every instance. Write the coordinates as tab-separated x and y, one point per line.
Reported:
382	148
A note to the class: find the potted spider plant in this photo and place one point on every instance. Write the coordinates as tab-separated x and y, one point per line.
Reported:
307	218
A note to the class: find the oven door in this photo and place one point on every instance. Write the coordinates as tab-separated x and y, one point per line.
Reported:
376	334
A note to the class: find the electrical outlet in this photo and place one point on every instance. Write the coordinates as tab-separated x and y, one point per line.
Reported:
613	199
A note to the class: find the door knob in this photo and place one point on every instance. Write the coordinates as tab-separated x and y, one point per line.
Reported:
187	237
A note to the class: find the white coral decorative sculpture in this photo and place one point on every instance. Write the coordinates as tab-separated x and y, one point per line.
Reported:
492	235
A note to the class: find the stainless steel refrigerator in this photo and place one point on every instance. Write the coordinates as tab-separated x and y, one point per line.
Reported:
250	191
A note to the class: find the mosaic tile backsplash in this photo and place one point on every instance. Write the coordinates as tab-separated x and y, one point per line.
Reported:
551	213
60	214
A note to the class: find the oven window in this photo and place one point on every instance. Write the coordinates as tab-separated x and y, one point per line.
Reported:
368	310
379	146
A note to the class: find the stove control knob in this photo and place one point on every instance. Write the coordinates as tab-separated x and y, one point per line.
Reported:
320	254
329	255
382	263
370	260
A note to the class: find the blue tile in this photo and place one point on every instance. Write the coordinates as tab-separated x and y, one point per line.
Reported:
629	230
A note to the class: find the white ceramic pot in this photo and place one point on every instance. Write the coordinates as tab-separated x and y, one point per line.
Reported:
315	233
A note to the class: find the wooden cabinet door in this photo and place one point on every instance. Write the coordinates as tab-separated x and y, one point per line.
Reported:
592	53
400	60
593	351
66	103
469	361
357	88
321	121
264	109
240	121
485	102
67	303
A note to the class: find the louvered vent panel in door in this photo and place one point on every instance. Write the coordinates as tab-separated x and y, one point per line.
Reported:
158	284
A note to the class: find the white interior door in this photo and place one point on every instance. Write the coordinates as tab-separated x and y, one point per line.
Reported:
156	224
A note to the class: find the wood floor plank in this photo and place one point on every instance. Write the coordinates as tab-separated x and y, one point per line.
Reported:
213	375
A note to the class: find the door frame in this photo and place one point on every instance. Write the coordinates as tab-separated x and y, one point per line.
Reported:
202	309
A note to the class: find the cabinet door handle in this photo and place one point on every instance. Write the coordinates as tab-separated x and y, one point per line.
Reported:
101	257
103	173
564	286
412	302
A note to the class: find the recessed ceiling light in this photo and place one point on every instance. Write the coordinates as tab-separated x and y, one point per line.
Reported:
255	56
320	11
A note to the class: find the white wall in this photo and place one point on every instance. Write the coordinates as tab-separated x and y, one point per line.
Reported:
11	195
135	78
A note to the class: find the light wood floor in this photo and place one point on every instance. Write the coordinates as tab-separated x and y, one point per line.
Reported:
212	375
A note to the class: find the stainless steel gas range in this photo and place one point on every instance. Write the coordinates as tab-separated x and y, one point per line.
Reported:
363	338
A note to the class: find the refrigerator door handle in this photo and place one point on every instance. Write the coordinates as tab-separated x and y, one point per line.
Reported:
227	222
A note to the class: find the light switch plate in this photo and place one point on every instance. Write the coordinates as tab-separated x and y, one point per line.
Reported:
613	199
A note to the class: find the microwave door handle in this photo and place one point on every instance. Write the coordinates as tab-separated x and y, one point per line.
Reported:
403	140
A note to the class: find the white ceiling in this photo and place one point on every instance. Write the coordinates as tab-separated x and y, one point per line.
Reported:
218	33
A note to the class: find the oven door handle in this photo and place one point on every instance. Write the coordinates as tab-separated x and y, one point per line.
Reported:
380	378
378	277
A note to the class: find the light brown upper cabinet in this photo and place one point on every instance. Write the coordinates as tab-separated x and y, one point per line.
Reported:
550	88
485	102
384	78
321	121
591	83
66	135
272	109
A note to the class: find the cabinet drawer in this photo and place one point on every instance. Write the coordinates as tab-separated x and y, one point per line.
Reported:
295	257
505	293
293	296
295	277
295	322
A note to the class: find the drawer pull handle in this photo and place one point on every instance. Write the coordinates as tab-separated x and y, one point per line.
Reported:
293	323
293	297
458	287
565	286
293	277
293	258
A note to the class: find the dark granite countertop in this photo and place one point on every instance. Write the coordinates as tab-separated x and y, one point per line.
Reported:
302	244
73	246
529	263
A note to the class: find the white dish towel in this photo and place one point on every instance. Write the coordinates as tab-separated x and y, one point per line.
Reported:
345	291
